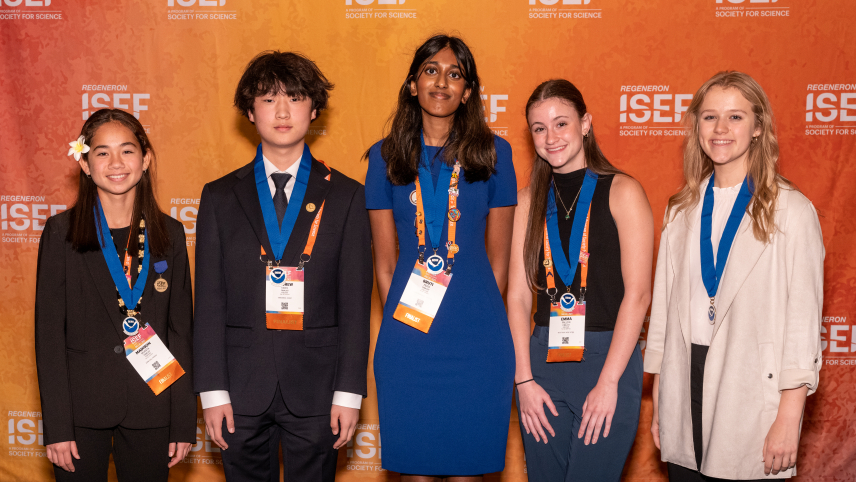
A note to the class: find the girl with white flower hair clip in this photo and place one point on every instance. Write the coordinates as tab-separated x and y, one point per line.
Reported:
113	282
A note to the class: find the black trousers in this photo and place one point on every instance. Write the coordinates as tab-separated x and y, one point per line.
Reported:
253	453
683	474
140	455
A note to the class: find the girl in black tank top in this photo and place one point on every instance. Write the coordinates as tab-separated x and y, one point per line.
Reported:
585	412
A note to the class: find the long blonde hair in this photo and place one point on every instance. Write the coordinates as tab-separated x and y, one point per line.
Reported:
762	161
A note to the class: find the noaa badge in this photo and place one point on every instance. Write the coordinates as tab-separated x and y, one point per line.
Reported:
413	197
567	302
130	326
454	215
277	276
310	207
161	285
434	264
711	314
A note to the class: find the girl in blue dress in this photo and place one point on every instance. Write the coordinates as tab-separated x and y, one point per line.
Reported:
444	391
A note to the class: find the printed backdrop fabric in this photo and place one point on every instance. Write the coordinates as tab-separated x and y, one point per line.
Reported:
175	64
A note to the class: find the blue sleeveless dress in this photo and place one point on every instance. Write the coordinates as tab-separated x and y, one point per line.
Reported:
444	397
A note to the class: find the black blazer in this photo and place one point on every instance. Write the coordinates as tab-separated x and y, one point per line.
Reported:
84	378
233	349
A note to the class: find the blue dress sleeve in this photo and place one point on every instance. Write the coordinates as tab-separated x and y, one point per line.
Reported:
378	187
502	186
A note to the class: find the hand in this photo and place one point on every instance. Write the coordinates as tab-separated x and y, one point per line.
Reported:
178	450
531	399
214	423
343	422
780	446
598	411
61	453
655	419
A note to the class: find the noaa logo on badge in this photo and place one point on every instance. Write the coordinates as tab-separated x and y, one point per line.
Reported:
567	302
434	264
413	197
277	275
130	326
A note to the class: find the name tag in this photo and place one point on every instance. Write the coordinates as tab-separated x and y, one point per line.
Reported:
567	330
422	297
152	359
284	298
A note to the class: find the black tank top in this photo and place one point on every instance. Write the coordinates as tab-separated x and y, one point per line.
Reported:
604	285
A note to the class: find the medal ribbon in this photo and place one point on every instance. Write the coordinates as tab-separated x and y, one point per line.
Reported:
130	296
278	235
579	231
711	272
316	223
438	208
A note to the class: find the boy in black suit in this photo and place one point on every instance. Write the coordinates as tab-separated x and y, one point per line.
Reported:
283	289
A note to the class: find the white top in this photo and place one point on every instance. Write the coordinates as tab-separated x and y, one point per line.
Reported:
700	327
216	398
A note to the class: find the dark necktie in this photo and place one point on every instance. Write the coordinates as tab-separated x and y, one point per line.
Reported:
280	201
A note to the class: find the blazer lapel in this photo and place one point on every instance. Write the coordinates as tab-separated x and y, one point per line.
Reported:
106	289
248	198
316	191
680	246
744	254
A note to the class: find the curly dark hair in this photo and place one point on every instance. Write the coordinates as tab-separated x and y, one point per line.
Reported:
289	73
470	140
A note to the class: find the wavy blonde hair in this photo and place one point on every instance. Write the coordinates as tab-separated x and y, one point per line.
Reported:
762	162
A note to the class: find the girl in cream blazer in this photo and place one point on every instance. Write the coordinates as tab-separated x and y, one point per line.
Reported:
732	374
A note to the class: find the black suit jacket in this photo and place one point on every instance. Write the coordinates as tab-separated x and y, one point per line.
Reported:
233	349
84	378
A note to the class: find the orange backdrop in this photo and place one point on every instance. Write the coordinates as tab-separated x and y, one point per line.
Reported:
175	64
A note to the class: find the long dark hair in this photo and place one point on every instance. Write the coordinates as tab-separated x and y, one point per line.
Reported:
470	140
542	173
81	232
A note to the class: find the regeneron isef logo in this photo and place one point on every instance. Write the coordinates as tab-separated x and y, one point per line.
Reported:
380	10
113	96
651	110
830	109
28	10
24	428
364	450
495	104
201	10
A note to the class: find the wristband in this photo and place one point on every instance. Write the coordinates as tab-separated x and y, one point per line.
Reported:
524	381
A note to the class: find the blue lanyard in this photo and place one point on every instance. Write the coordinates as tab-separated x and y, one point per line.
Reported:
712	273
436	200
278	235
130	296
563	262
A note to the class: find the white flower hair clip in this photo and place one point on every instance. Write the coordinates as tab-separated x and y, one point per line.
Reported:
78	148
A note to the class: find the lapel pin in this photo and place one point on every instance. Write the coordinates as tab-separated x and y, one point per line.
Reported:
310	207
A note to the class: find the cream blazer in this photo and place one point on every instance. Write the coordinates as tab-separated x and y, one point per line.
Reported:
766	338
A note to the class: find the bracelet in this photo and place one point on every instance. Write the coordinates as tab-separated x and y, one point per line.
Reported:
524	381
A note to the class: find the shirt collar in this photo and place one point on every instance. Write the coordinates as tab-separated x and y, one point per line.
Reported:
270	168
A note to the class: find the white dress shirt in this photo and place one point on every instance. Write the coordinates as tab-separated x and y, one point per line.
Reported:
216	398
700	327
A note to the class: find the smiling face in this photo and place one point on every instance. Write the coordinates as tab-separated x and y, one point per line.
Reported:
557	131
726	126
440	85
115	161
282	120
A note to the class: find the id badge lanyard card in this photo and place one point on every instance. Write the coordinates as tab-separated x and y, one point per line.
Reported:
711	272
284	285
144	349
568	314
428	281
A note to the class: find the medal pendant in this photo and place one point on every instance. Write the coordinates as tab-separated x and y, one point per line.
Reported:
434	264
711	313
567	302
161	285
131	326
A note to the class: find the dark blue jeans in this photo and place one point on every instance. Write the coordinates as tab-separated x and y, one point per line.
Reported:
566	457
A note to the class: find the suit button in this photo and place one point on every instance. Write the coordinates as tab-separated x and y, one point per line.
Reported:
769	375
118	349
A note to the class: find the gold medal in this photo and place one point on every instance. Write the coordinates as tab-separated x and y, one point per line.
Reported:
161	285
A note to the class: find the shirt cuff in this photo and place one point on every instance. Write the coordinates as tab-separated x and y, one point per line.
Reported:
214	398
652	362
348	400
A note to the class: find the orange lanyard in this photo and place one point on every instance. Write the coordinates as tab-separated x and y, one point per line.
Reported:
584	257
453	214
126	263
313	231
